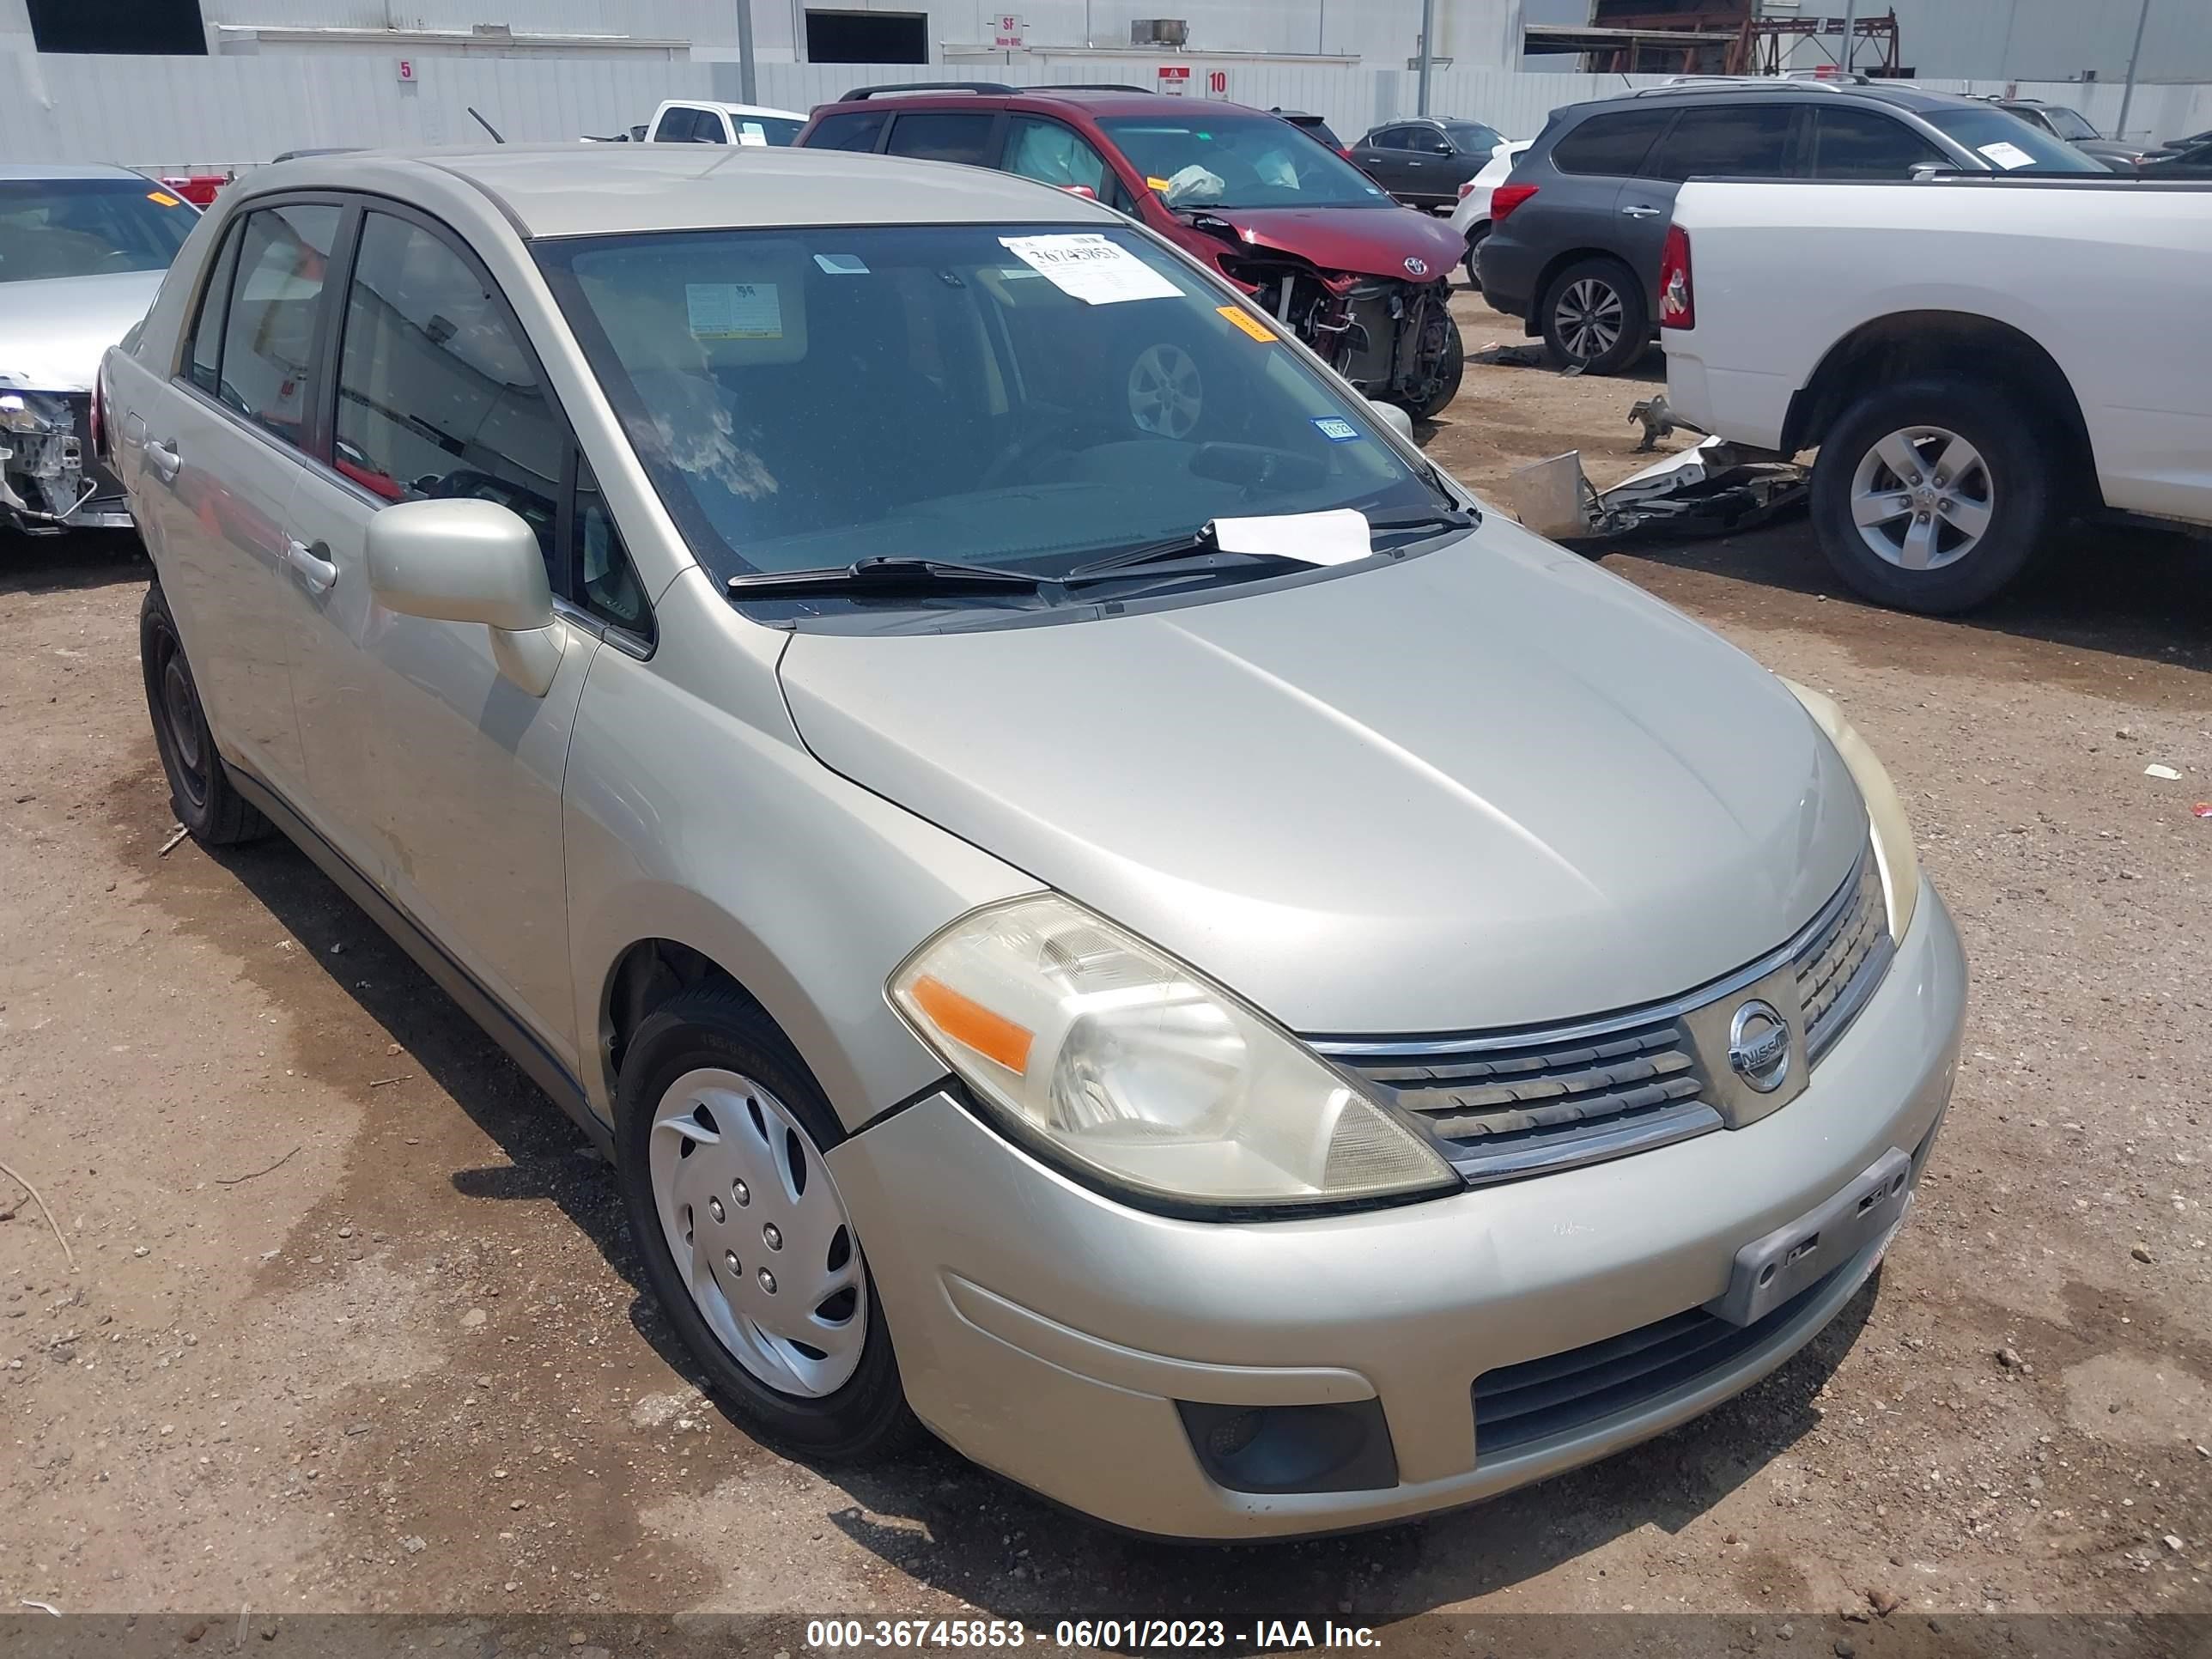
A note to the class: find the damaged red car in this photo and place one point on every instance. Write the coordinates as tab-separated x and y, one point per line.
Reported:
1364	282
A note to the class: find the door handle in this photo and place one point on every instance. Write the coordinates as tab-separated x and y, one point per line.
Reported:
1640	211
318	572
164	460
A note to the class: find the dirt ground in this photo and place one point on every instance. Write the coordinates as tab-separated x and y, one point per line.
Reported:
352	1322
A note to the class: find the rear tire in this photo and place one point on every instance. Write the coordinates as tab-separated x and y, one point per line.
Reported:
1594	315
201	792
802	1357
1876	478
1474	241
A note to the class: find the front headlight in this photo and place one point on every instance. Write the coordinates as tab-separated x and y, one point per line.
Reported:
1892	835
25	411
1103	1053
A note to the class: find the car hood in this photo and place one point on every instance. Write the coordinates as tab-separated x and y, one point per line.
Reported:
53	332
1371	242
1489	786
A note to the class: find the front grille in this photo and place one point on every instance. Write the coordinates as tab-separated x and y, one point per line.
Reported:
1513	1104
1838	966
1563	1393
1516	1105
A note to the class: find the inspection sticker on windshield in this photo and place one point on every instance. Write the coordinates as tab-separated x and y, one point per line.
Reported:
2008	156
1091	268
1251	324
734	311
842	264
1336	428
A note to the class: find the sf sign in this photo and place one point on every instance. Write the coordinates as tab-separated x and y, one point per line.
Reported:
1006	32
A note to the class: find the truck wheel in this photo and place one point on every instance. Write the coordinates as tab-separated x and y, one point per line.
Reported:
1594	316
1930	495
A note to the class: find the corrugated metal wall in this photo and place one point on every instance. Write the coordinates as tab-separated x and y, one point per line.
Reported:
168	112
2053	39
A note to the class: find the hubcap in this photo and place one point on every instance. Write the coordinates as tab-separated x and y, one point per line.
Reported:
1590	316
1922	498
1165	394
180	708
801	1328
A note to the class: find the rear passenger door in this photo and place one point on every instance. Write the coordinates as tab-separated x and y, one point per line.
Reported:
437	777
220	457
1750	139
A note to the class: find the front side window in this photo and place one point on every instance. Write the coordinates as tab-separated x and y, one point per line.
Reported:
1393	139
1613	144
1031	397
1429	142
1743	142
1472	138
707	127
268	332
88	226
1218	159
943	136
1057	155
1864	143
436	395
2007	144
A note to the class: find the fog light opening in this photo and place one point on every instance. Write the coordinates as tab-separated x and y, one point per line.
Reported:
1292	1449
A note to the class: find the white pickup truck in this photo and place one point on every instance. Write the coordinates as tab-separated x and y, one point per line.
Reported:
1975	358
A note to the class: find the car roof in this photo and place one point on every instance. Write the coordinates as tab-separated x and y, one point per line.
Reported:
1899	95
1094	102
583	190
737	109
13	170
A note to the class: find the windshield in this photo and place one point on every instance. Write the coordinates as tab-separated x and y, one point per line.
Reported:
765	129
1026	397
2067	123
2009	143
88	226
1472	138
1211	158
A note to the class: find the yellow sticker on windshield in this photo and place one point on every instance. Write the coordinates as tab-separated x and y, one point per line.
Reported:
1156	184
1245	320
164	198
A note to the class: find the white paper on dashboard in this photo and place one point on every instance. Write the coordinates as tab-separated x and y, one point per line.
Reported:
1093	269
2008	156
1336	537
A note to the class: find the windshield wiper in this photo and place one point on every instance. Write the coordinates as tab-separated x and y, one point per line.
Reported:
1423	521
1198	551
890	577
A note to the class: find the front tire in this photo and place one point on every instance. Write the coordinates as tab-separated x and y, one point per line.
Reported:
1594	317
746	1241
1930	495
1451	370
201	792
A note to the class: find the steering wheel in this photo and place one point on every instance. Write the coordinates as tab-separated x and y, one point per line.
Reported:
1039	439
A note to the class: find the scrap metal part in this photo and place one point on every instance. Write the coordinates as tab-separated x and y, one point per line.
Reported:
47	482
1712	489
1659	422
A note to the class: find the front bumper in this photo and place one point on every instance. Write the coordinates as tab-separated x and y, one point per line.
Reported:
1048	1332
50	479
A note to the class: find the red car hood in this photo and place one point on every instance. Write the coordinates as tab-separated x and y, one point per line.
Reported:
1372	241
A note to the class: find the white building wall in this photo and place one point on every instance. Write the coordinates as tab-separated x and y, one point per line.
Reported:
2055	39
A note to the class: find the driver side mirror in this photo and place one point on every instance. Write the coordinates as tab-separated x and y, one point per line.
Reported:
462	561
1084	190
1394	416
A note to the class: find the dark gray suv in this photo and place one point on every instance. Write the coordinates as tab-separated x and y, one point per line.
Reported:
1577	231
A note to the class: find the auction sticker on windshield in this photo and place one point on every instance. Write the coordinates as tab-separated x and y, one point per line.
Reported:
1091	268
734	311
2008	156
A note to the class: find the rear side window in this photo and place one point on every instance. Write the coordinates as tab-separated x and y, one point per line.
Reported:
857	129
674	127
1864	143
1742	142
1393	139
206	356
268	332
1614	144
944	136
436	395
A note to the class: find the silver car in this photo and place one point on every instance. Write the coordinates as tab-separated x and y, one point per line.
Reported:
1097	901
81	253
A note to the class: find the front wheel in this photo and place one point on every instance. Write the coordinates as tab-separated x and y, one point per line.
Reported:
1594	317
1930	495
1445	372
745	1238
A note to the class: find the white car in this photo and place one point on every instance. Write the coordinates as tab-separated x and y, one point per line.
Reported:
700	121
1976	359
1471	218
